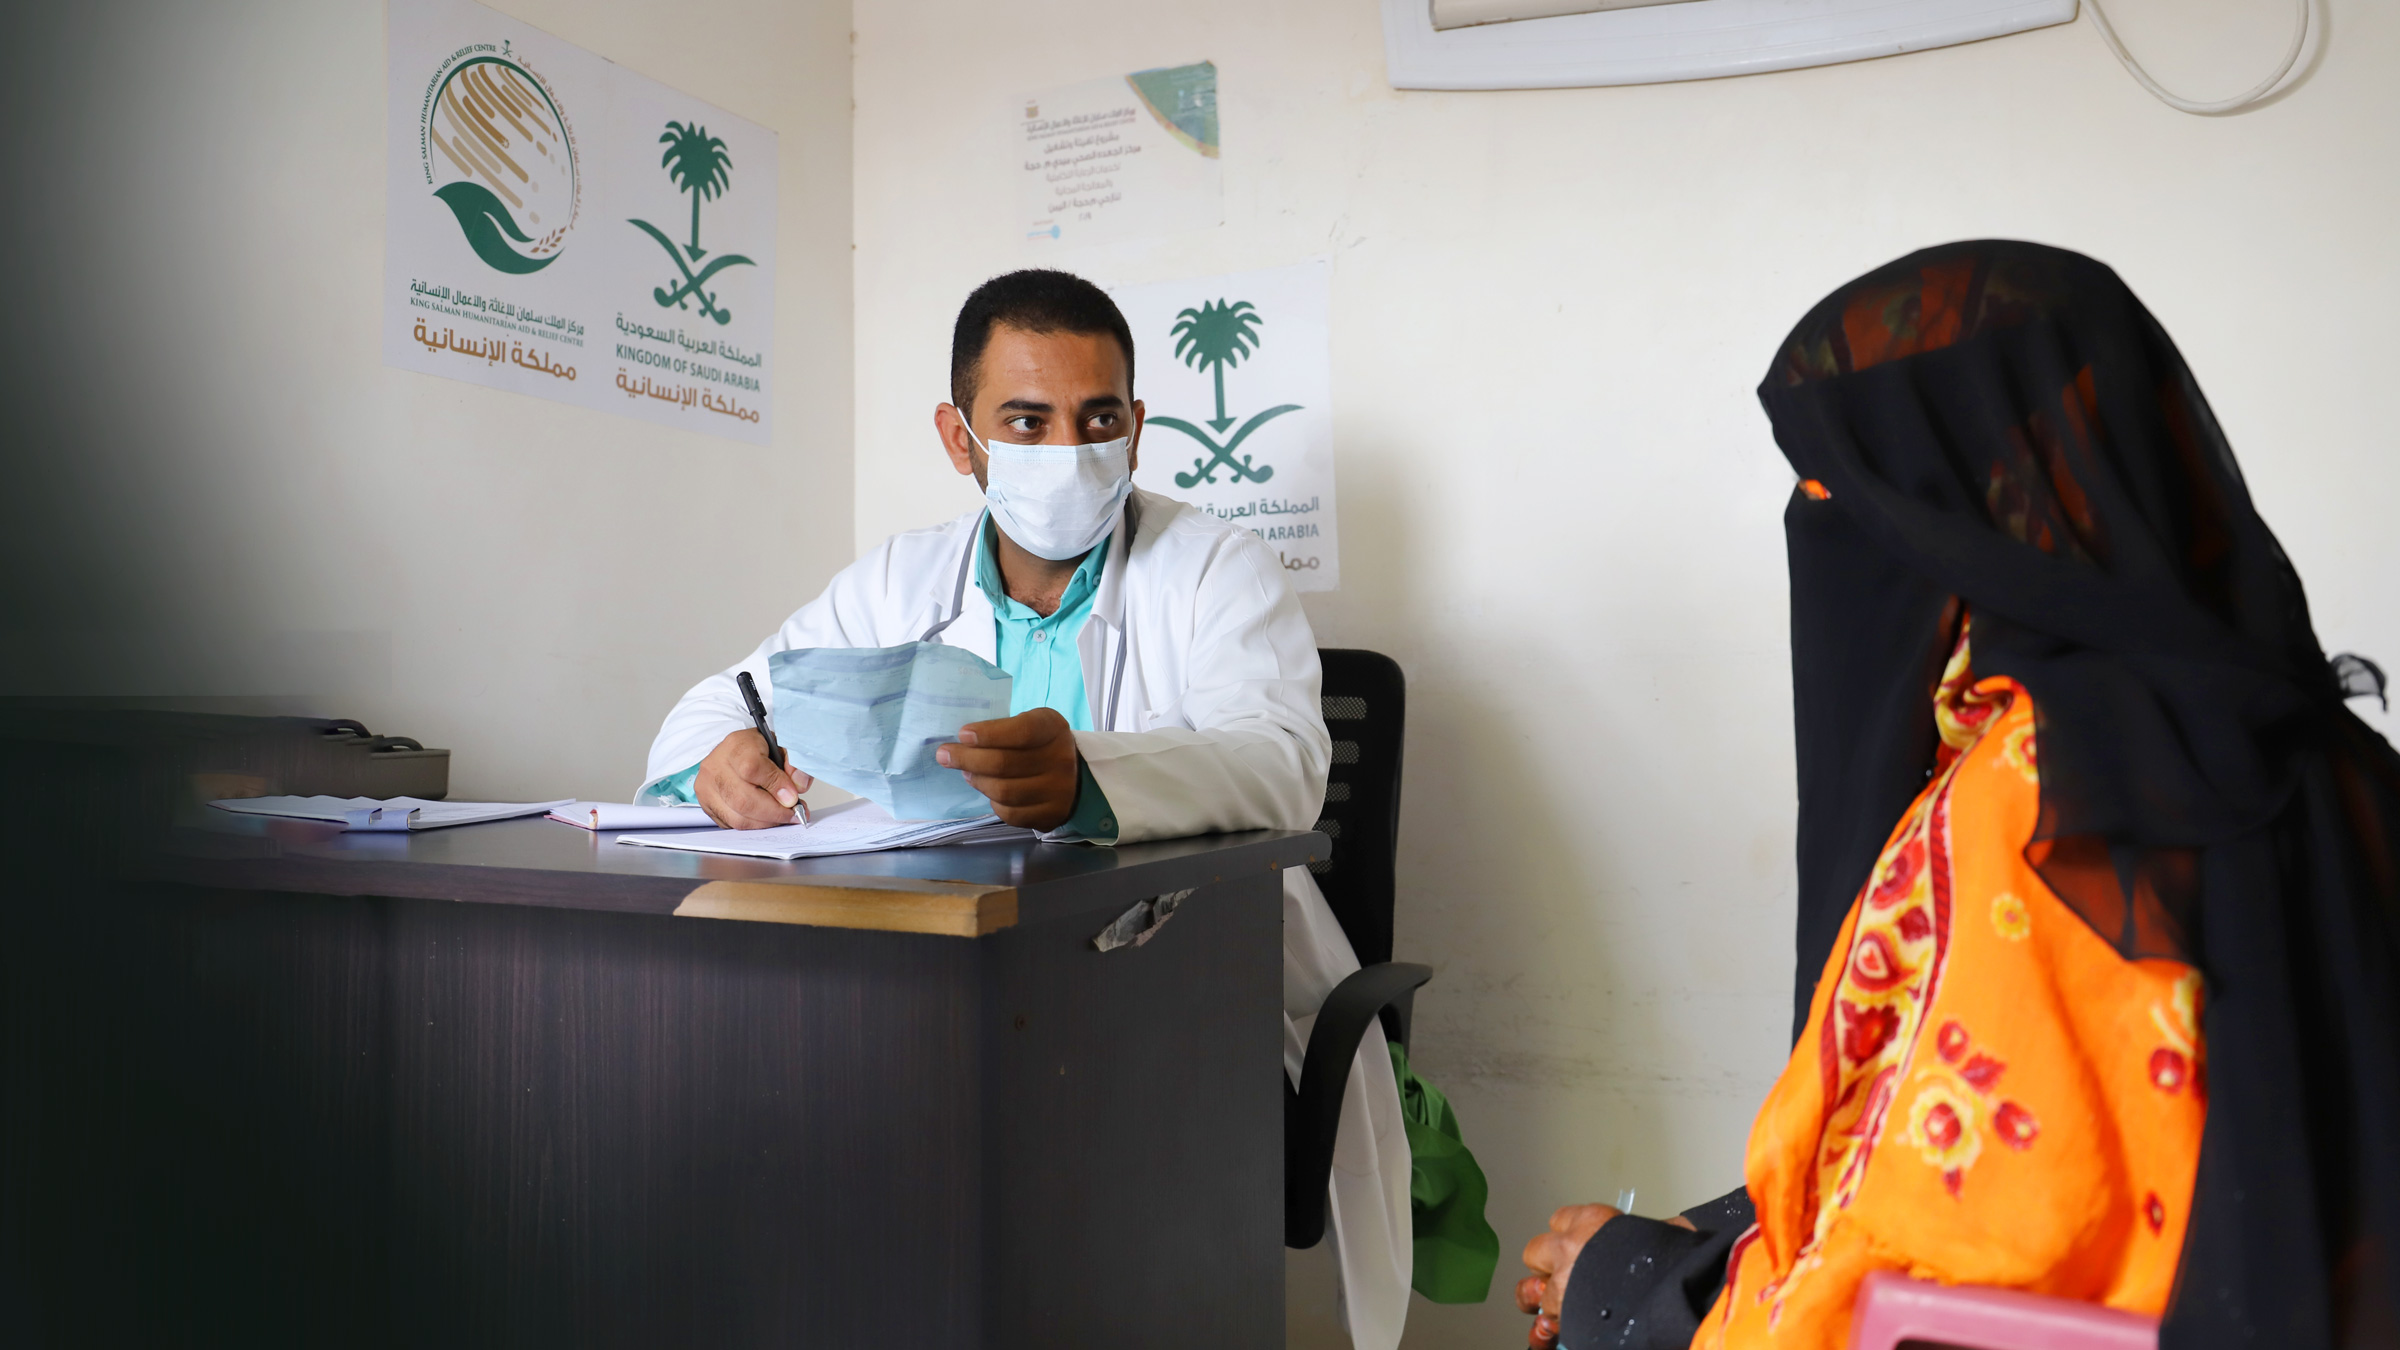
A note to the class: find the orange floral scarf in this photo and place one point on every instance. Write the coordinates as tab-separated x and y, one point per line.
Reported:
1986	1092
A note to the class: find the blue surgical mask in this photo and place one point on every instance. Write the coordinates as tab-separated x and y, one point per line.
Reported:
1055	501
868	719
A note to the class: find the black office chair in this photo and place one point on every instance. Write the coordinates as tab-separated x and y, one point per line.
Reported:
1365	699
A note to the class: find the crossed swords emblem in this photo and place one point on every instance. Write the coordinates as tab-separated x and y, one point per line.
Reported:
692	281
1205	470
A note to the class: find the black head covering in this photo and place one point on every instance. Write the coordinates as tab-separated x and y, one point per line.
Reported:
2001	429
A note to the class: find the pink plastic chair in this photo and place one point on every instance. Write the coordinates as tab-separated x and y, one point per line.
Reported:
1893	1308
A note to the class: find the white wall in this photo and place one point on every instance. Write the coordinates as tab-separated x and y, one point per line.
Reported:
219	490
1559	497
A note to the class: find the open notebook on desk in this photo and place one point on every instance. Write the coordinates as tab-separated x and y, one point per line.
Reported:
386	813
620	816
858	826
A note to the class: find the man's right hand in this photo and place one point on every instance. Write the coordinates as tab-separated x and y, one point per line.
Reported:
741	789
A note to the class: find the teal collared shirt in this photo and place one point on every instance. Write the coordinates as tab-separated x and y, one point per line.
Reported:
1045	671
1044	667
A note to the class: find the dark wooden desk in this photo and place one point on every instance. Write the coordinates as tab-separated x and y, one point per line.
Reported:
283	1088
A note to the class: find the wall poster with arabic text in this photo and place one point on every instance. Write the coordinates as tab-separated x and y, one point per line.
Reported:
557	225
1235	374
1119	159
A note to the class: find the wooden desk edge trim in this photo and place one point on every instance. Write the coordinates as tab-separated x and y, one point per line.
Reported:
881	904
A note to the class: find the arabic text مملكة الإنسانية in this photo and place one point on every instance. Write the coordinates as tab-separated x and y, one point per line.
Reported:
686	396
492	351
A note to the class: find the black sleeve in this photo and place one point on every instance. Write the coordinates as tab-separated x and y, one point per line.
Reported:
1642	1284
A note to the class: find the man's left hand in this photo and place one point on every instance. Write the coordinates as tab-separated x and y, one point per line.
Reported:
1026	764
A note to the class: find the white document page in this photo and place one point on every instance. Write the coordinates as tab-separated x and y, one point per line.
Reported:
858	826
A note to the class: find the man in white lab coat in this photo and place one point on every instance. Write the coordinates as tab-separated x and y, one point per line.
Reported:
1165	681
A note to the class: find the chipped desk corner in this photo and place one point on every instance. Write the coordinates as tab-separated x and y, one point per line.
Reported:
1140	923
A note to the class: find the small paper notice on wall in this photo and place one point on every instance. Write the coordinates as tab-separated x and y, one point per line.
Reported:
1121	158
1235	374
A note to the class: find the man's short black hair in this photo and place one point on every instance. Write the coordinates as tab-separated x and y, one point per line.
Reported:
1038	300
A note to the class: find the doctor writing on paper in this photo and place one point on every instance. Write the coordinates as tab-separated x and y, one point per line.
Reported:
1165	681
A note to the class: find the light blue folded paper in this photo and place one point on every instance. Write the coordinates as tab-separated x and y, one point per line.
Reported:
867	719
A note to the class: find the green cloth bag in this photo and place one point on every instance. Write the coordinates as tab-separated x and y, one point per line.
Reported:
1455	1250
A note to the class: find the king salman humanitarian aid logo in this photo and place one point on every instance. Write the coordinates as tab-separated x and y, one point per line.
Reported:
1211	338
699	164
502	158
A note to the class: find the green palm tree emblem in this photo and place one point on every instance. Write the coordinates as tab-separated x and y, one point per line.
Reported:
1215	336
1212	337
699	164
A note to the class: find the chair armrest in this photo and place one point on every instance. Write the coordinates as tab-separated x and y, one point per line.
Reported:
1313	1111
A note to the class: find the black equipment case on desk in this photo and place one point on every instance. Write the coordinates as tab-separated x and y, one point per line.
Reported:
283	1089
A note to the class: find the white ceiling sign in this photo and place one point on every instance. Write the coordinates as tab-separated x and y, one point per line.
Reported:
1702	39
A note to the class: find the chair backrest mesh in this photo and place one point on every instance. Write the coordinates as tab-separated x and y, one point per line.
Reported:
1366	707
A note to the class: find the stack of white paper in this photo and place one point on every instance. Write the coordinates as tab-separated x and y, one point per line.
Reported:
853	827
391	813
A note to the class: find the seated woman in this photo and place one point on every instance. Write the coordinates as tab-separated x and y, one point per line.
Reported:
2112	1012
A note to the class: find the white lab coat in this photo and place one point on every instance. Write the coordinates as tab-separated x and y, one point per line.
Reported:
1202	677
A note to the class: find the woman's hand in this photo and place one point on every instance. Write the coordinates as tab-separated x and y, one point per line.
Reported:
1551	1258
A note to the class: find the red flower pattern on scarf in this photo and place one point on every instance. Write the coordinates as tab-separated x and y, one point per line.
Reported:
1866	1031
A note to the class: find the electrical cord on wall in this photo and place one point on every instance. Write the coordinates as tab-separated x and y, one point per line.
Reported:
2215	108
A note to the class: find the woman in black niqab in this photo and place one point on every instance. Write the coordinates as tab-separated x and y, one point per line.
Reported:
2002	429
